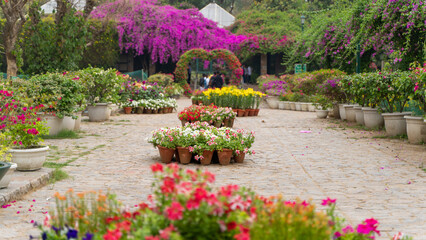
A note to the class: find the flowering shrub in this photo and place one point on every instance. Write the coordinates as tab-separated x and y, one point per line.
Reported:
233	97
262	79
209	113
308	82
161	79
19	124
275	88
155	104
134	91
184	205
173	90
332	89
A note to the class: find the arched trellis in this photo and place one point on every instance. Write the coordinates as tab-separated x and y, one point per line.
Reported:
231	60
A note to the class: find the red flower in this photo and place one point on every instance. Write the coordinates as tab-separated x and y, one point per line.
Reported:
113	235
157	167
174	212
328	201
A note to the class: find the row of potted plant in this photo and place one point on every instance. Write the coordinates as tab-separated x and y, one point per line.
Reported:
216	116
200	140
185	205
161	105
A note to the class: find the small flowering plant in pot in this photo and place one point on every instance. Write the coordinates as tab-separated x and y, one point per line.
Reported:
165	140
22	129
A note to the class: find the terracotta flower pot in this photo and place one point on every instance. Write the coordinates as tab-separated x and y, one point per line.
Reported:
251	112
218	124
139	110
161	110
148	111
155	111
184	155
256	112
194	102
246	113
224	156
127	110
207	157
241	112
177	156
235	110
239	158
166	154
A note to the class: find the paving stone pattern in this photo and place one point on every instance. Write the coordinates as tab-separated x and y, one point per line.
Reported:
378	178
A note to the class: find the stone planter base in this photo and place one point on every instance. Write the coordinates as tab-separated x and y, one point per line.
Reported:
322	113
293	106
342	111
416	129
350	113
359	115
311	107
298	106
272	102
68	123
372	118
77	125
53	123
99	113
29	159
286	105
305	107
395	123
281	105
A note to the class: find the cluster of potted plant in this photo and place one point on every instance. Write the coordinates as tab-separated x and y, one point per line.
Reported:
150	106
296	101
20	135
213	115
186	205
245	102
200	140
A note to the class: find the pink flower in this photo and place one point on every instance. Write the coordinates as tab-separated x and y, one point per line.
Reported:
174	212
157	167
328	201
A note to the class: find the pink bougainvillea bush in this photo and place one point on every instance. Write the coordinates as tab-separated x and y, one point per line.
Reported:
184	205
164	32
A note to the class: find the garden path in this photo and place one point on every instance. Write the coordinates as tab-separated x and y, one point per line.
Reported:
378	178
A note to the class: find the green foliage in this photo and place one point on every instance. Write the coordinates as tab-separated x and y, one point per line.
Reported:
161	79
322	102
64	134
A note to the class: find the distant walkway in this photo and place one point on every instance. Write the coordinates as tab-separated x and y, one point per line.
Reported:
369	177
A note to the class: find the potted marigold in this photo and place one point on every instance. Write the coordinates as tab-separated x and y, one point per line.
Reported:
22	130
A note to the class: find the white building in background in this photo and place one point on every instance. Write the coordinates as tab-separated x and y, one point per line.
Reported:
217	14
50	6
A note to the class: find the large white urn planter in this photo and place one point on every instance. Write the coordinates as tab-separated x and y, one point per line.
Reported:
311	107
395	123
416	129
29	159
298	106
359	115
342	111
272	102
372	118
286	105
305	106
77	124
293	106
99	112
4	182
281	105
321	113
350	113
68	123
53	123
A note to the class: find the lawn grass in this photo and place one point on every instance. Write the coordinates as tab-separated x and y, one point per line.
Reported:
64	134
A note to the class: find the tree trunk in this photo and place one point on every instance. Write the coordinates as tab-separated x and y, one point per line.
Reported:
12	68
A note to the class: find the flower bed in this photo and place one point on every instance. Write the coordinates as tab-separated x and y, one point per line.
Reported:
199	137
162	105
212	114
245	102
184	205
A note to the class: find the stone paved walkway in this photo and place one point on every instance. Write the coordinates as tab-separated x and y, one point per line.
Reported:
378	178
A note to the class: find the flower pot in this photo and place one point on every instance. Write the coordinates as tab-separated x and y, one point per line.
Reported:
77	124
281	105
139	110
155	111
228	122
148	111
29	159
4	182
161	110
194	102
235	110
298	106
184	155
98	113
350	113
372	118
183	122
336	112
218	124
395	123
256	112
113	109
68	123
330	113
239	158
416	129
224	156
359	115
4	168
127	110
286	105
246	112
321	113
207	157
304	106
241	113
251	112
177	156
272	102
166	154
342	111
311	107
53	123
293	106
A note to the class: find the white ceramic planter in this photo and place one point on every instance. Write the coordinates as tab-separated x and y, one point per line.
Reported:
395	123
350	113
359	115
293	106
372	118
311	107
99	113
298	106
342	111
305	106
321	113
114	109
4	182
416	129
29	159
53	123
286	105
68	123
77	125
272	102
281	105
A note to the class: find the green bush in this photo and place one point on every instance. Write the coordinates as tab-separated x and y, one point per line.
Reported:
161	79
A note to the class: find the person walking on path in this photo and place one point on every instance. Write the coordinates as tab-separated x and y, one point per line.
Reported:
189	74
202	82
249	71
245	73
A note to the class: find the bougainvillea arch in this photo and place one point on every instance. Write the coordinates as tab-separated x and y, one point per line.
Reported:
181	73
